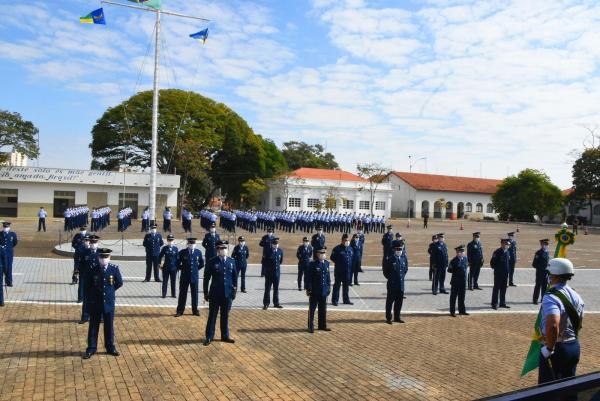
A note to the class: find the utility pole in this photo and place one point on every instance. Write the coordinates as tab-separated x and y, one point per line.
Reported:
410	166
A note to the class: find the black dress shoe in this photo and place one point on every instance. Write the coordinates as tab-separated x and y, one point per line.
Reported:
311	331
464	313
164	296
535	302
87	355
244	291
505	306
299	289
334	303
356	284
82	321
206	342
158	280
398	320
9	285
444	292
265	307
197	313
228	340
388	321
479	288
348	303
453	314
325	329
279	306
178	314
1	304
494	307
114	352
173	296
145	281
512	285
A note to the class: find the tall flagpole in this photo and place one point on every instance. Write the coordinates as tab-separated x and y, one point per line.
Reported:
153	155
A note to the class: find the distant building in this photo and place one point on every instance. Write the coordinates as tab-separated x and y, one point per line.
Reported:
312	189
15	159
418	194
582	211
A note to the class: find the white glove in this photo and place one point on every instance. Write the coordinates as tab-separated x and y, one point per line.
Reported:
546	352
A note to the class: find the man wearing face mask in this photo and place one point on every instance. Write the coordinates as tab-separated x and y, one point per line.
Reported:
189	262
8	240
475	258
304	253
210	242
169	269
357	250
167	216
77	244
440	253
513	258
386	242
240	255
221	274
153	241
540	263
431	252
500	263
89	261
394	271
458	283
101	284
318	287
273	261
318	240
342	257
265	244
79	258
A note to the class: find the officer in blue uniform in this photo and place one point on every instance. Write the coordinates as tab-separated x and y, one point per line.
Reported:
169	253
341	255
153	241
273	261
79	258
440	261
145	220
88	262
101	284
431	252
189	262
8	239
394	270
77	244
357	252
500	263
221	275
458	283
540	263
210	242
513	258
265	244
304	254
475	258
318	240
167	216
2	267
318	288
42	219
240	255
386	242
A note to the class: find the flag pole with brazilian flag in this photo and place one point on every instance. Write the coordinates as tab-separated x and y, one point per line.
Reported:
564	238
95	17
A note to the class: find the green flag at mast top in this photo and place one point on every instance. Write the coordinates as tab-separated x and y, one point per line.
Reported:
154	6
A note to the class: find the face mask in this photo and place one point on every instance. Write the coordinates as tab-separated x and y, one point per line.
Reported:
222	252
346	243
170	243
6	229
212	230
191	246
320	232
275	246
104	261
305	243
269	234
87	244
398	253
94	246
83	232
460	254
441	240
242	243
545	247
505	247
321	256
153	231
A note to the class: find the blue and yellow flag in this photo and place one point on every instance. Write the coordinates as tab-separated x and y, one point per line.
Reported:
95	17
156	4
202	35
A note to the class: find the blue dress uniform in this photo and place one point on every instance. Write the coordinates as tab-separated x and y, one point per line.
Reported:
8	239
221	275
386	242
475	258
500	263
210	244
152	242
42	219
101	286
190	263
78	245
265	244
540	263
145	220
240	255
167	216
342	257
272	263
357	252
431	252
513	259
88	262
304	254
458	283
2	267
440	261
169	268
318	240
394	270
318	287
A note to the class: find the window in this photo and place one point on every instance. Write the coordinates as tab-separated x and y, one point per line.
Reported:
363	205
468	207
62	201
379	205
8	202
278	201
348	204
597	210
490	208
129	200
399	186
312	202
294	202
479	208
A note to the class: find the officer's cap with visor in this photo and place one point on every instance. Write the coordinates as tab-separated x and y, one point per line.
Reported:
170	237
322	250
191	240
222	244
460	248
240	239
397	244
104	253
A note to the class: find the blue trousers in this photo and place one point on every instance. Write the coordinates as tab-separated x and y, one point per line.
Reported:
1	286
564	362
184	284
439	277
541	282
214	305
242	273
499	289
271	281
8	268
511	272
457	291
169	275
393	299
300	274
335	295
317	301
152	265
94	328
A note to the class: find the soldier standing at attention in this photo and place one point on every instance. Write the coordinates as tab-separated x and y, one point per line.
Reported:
431	253
318	239
318	287
265	244
475	258
386	242
42	219
500	263
210	242
240	255
273	261
540	263
513	258
440	257
190	262
169	269
2	267
101	285
342	257
145	220
458	283
394	271
304	253
88	262
221	274
357	250
167	216
8	239
77	244
152	242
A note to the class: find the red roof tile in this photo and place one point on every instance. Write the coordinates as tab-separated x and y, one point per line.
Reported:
434	182
324	174
568	191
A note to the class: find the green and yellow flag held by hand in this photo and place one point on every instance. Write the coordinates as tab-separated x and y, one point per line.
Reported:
563	238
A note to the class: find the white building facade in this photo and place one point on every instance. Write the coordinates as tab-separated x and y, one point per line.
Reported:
309	189
417	194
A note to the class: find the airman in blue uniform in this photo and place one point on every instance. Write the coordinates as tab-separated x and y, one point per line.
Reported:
88	262
77	244
42	219
273	261
500	263
169	253
475	258
79	258
304	253
318	288
210	242
240	255
431	252
8	239
394	270
221	275
189	262
2	267
101	284
265	244
386	242
167	216
152	242
357	245
440	261
145	220
513	258
458	283
341	255
318	240
540	263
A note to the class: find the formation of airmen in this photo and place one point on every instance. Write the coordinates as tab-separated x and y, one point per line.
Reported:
75	217
124	219
100	218
228	221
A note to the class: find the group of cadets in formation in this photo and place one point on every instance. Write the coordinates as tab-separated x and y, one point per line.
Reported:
124	219
75	217
100	218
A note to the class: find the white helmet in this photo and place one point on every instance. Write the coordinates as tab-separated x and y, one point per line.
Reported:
559	266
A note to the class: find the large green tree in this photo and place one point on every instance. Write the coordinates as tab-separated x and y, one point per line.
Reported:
18	135
526	195
301	154
586	179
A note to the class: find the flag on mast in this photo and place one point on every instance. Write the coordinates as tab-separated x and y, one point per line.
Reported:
95	17
156	4
202	35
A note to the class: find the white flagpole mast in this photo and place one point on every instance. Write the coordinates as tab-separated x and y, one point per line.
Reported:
155	99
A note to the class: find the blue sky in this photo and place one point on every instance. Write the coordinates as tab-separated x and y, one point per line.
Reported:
479	88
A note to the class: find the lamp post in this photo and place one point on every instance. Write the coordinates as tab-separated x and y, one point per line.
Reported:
411	163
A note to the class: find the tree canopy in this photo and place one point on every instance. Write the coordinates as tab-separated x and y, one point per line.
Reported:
586	179
301	154
527	194
18	134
